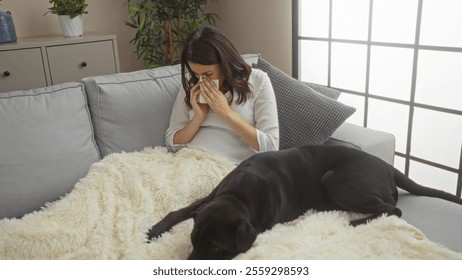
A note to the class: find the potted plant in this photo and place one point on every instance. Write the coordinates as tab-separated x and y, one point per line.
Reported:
70	14
162	26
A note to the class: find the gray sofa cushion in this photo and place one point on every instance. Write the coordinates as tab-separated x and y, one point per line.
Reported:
251	58
131	111
438	219
42	131
375	142
306	117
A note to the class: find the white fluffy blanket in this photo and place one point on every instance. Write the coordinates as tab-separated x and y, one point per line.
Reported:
108	213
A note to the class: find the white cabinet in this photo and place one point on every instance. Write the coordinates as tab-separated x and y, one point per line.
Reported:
43	61
21	69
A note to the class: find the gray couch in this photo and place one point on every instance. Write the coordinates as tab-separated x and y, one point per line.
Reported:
50	136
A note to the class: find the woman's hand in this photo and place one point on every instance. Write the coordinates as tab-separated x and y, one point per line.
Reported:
187	133
200	110
219	104
214	97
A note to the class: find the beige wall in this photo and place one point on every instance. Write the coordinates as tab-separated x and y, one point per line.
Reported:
105	16
254	26
259	26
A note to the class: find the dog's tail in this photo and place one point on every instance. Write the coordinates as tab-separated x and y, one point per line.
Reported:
409	185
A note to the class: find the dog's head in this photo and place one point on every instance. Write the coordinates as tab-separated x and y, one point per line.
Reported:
220	232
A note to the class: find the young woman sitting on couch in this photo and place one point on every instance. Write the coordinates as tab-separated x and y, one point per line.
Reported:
236	117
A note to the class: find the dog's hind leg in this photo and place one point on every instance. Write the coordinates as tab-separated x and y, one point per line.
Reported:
368	204
377	210
355	195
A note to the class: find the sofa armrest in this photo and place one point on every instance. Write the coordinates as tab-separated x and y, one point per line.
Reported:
378	143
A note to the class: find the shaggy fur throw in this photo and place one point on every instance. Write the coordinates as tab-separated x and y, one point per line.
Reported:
109	211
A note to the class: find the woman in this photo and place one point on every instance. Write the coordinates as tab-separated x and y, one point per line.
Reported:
239	116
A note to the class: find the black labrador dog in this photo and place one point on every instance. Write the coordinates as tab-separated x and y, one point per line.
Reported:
276	187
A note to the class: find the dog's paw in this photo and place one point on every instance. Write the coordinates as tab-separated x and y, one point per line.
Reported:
356	223
154	233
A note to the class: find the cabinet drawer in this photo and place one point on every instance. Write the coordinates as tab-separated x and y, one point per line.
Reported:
21	69
73	62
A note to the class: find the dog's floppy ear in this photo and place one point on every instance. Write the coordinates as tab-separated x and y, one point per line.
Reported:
245	236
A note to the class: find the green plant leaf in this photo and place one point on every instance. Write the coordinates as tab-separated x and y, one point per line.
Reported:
72	8
162	26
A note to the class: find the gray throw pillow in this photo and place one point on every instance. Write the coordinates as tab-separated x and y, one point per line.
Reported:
131	111
306	117
46	146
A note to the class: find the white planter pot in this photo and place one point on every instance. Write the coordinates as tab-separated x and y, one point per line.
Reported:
71	27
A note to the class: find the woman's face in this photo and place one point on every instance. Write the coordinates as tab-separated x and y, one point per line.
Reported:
212	71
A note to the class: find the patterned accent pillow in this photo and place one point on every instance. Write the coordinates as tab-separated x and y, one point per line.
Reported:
306	117
327	91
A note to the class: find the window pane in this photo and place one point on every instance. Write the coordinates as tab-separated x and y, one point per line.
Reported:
441	23
349	66
400	163
350	19
389	117
394	21
357	102
391	72
433	177
437	137
439	79
314	61
388	71
314	18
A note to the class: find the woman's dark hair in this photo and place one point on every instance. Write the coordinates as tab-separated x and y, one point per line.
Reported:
206	46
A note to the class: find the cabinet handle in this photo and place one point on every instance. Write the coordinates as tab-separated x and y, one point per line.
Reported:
83	64
6	73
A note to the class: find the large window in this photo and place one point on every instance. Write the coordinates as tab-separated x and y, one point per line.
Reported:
399	62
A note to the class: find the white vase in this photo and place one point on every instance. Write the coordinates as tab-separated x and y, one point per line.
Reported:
71	27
